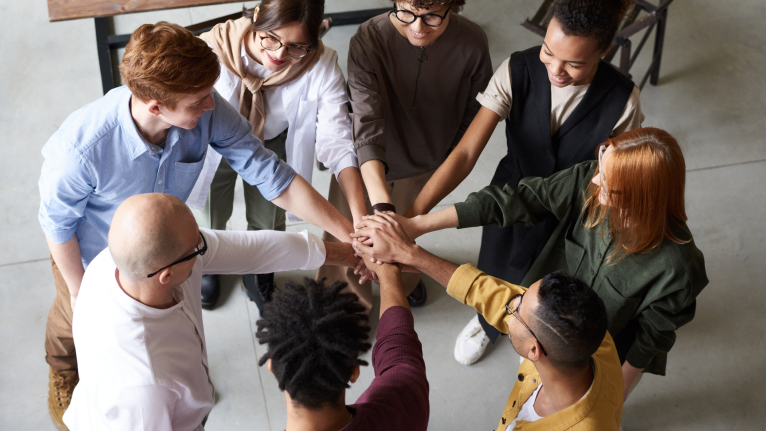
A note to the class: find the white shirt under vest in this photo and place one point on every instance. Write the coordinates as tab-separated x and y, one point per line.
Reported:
143	368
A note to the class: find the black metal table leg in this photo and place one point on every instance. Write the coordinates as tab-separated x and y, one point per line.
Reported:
659	40
104	54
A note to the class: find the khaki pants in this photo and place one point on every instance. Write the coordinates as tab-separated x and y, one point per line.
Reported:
59	344
403	193
260	213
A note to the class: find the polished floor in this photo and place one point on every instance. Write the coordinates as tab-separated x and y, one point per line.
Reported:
711	97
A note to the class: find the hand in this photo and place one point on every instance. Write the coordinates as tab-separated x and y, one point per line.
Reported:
390	242
411	226
383	269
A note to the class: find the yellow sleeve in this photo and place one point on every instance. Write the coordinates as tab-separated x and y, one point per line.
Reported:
488	295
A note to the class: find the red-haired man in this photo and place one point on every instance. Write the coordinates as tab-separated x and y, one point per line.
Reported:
148	136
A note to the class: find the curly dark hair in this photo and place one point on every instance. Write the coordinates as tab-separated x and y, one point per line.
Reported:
598	19
455	5
315	335
570	320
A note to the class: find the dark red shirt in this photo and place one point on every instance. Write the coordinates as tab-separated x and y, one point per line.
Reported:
397	398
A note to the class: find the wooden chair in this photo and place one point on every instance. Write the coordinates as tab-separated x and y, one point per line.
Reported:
651	17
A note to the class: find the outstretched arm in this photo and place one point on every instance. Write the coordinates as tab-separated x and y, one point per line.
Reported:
302	200
458	165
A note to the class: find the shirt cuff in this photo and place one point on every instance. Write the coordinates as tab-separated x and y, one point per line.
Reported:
348	161
638	356
282	178
468	215
369	152
58	236
317	251
461	281
489	102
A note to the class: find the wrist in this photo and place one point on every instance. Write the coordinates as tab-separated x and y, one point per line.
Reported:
387	272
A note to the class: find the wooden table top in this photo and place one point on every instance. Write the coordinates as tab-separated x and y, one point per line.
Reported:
62	10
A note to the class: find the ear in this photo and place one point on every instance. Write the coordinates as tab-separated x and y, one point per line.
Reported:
354	374
535	353
270	369
153	107
165	275
606	51
255	13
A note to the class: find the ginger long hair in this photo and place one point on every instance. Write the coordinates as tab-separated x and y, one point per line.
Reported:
646	178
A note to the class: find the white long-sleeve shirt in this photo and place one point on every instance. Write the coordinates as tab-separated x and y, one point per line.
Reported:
142	368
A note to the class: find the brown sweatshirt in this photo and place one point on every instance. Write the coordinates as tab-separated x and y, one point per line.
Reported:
411	105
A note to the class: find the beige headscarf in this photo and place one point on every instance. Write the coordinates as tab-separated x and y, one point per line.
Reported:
226	40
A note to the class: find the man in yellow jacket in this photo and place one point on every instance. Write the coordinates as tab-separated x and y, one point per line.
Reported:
571	378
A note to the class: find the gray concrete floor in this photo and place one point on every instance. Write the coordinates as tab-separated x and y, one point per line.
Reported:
711	97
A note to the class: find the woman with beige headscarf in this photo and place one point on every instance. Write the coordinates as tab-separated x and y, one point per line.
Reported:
277	72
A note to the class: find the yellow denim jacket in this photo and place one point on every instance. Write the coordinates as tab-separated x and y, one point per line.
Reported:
600	409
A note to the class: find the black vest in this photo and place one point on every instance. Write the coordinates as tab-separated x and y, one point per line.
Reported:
533	152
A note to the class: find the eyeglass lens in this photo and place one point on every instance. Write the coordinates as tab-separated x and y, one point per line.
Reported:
272	44
407	17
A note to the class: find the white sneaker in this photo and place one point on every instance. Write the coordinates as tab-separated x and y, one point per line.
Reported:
471	343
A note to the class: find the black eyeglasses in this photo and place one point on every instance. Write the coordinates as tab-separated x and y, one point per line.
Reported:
271	43
429	19
514	313
199	252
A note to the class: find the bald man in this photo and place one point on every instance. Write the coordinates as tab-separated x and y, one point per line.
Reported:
138	322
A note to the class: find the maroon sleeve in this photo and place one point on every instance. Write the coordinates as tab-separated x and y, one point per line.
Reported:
399	392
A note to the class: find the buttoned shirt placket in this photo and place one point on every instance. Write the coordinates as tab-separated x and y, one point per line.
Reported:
160	181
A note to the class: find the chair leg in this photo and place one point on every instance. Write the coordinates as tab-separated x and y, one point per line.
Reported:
659	40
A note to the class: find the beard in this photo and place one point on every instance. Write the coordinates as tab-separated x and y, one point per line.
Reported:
516	341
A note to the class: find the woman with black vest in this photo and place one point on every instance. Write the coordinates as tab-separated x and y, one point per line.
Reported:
560	101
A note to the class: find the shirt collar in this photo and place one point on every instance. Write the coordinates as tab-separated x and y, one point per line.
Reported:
135	141
136	308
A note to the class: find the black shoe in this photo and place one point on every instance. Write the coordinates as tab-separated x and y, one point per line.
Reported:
259	288
211	290
418	296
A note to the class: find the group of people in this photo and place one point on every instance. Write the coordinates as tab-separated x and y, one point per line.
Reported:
586	261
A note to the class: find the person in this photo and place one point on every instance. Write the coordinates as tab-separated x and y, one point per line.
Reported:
413	75
277	73
559	102
148	136
138	325
315	335
571	378
621	229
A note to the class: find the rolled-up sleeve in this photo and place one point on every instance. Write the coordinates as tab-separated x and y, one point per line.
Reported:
65	186
334	143
367	121
488	295
533	197
232	137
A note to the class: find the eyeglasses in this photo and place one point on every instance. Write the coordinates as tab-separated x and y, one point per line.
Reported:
199	252
429	19
514	313
271	43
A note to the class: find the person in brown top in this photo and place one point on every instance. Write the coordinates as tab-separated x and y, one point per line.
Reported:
413	77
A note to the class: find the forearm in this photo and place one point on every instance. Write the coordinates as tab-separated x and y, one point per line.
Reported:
440	220
629	375
391	289
69	262
374	175
458	165
350	182
435	267
340	254
302	200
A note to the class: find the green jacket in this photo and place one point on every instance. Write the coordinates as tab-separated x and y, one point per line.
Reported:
647	296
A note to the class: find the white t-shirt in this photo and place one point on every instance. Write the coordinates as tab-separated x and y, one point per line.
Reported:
527	412
142	368
228	86
498	97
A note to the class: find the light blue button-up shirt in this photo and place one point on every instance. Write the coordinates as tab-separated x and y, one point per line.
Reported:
97	159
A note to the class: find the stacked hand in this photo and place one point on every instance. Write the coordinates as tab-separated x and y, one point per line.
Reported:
384	238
